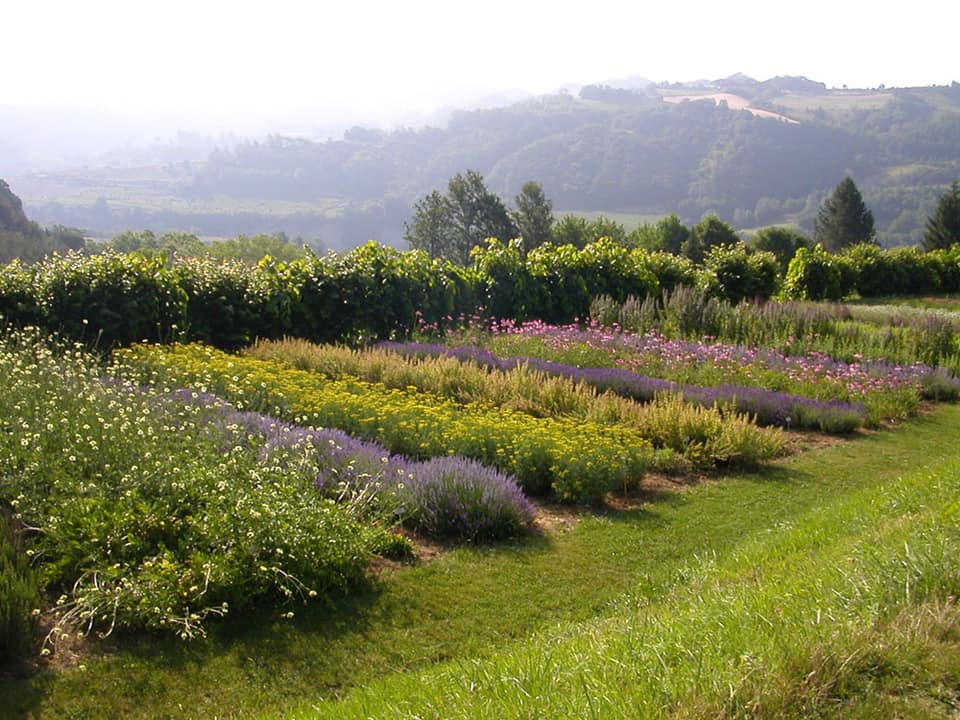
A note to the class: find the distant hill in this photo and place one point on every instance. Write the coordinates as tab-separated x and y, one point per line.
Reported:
22	238
767	152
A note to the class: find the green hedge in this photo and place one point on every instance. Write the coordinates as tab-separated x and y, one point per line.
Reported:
376	292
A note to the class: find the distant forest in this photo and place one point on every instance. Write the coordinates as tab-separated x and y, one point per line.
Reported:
644	152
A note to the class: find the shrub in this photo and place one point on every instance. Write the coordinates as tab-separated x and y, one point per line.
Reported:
509	289
147	514
18	596
670	270
563	288
815	274
459	498
740	274
19	304
109	299
230	304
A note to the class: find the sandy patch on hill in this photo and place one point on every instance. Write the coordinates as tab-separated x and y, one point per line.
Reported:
734	102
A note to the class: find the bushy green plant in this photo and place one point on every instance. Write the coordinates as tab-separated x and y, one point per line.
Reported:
740	274
230	304
670	270
509	289
815	274
144	514
18	596
109	299
19	302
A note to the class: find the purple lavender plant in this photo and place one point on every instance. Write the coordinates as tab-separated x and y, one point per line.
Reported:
449	497
461	498
769	407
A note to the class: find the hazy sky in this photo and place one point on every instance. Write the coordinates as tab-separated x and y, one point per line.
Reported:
238	56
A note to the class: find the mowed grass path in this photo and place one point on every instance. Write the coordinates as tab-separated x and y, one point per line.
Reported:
468	602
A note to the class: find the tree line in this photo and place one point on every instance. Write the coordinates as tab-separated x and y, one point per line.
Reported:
449	225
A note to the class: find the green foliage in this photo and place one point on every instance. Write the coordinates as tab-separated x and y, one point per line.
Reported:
943	227
109	299
710	232
230	305
253	249
843	219
668	235
147	243
899	271
376	292
533	216
19	596
572	230
671	270
509	288
611	269
19	300
783	242
578	231
815	274
563	287
741	274
449	226
146	514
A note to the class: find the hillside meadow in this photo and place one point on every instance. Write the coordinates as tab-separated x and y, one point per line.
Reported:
674	506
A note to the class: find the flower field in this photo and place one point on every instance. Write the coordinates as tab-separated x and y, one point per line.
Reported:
168	490
887	391
570	458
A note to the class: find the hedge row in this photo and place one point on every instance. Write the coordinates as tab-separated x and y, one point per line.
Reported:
815	274
377	292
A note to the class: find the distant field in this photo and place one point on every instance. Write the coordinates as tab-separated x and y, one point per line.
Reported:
734	102
950	303
835	100
152	191
629	220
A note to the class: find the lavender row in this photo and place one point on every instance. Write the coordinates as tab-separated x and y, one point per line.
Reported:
769	407
448	496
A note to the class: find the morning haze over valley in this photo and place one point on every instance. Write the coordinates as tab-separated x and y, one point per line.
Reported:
506	360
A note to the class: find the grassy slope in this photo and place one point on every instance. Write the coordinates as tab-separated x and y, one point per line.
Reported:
472	602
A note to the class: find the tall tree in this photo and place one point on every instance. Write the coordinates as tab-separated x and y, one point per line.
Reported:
476	214
710	232
667	235
448	226
429	229
783	242
533	216
943	227
571	230
843	218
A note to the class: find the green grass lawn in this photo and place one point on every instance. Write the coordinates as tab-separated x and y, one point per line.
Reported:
475	608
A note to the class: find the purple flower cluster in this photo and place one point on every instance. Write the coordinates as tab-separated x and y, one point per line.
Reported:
456	497
447	496
769	407
858	378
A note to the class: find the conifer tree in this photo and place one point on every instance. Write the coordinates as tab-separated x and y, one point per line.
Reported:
843	219
943	227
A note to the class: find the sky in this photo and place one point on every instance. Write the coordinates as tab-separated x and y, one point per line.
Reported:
369	57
